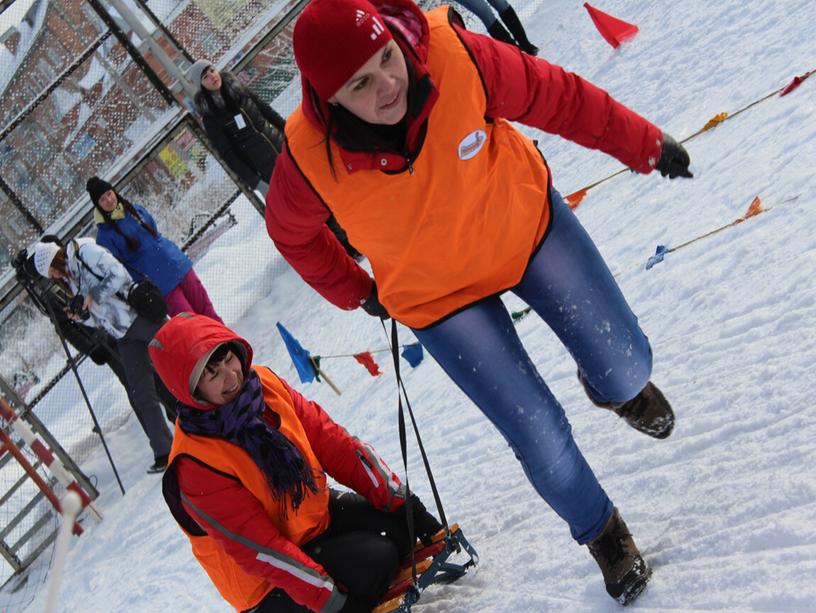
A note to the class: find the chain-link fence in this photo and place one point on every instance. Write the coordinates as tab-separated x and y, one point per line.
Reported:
96	107
95	110
29	524
90	98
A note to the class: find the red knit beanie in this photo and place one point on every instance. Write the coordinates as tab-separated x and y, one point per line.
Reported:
333	39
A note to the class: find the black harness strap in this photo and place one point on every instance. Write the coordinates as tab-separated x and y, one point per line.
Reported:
402	434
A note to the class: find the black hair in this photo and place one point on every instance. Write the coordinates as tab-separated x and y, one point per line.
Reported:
132	242
51	238
232	91
221	352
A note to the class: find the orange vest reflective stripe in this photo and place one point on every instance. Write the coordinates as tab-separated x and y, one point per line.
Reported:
465	223
242	590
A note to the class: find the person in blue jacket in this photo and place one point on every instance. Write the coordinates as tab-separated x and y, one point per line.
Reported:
129	232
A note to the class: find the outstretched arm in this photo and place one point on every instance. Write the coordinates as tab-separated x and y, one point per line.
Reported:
534	92
350	461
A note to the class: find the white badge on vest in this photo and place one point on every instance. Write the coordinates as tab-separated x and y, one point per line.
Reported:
472	144
239	121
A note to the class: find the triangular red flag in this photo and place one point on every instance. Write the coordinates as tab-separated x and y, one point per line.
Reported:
614	30
797	81
366	360
574	199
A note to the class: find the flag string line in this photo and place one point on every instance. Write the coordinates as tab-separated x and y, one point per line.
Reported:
351	355
574	199
754	210
745	217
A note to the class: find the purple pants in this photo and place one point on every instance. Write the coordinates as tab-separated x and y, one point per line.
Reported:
191	297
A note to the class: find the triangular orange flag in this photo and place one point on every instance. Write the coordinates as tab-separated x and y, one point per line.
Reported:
574	199
755	208
614	30
366	360
718	118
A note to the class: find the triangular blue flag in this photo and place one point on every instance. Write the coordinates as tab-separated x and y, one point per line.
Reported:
412	354
660	253
300	357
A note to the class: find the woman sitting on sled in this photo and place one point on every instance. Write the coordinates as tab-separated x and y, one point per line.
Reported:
247	483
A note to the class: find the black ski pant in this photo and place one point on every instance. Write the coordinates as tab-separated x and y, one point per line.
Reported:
361	551
144	385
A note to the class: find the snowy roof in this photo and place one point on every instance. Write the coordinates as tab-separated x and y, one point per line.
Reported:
29	28
65	100
96	72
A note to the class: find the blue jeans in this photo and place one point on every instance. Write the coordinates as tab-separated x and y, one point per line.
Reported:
481	9
570	287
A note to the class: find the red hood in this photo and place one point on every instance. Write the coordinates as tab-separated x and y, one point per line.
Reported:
404	17
181	344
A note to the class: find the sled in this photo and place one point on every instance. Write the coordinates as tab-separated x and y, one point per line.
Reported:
432	566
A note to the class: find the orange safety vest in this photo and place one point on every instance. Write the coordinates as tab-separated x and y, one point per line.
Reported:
465	223
242	590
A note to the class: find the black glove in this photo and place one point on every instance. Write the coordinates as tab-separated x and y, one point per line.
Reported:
356	605
99	354
372	306
425	524
674	159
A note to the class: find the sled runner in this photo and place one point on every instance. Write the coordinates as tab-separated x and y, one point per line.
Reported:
432	566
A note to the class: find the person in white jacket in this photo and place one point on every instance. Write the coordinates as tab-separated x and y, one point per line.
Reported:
98	283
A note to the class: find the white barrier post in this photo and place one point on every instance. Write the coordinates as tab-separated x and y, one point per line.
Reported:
70	506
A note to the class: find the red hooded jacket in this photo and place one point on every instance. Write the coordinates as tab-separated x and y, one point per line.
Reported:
221	499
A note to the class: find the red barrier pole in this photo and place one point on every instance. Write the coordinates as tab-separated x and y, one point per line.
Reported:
9	445
53	464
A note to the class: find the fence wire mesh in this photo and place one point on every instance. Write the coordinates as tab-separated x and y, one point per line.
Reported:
77	104
28	521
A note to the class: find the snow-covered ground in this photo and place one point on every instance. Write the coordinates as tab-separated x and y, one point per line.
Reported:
724	509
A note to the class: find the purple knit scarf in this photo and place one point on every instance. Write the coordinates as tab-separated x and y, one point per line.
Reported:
240	423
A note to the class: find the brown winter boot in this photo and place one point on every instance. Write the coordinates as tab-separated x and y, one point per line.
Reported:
648	412
624	571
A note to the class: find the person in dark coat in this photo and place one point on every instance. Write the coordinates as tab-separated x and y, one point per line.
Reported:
245	130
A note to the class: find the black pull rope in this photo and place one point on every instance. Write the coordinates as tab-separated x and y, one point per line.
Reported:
402	392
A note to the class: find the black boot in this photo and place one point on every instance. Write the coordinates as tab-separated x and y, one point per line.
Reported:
649	412
511	20
497	31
